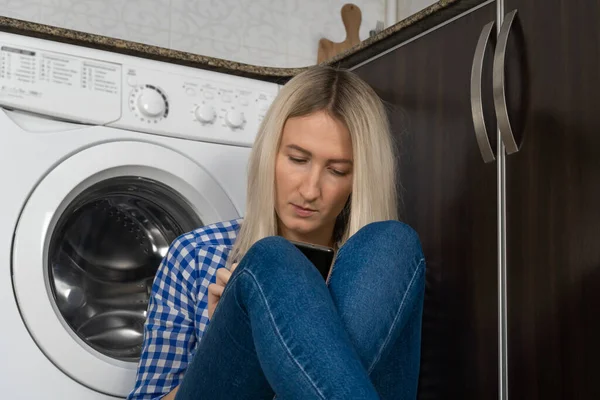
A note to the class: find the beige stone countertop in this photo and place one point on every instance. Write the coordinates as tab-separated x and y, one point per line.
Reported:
429	17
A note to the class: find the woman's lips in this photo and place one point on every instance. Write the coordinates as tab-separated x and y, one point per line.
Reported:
303	212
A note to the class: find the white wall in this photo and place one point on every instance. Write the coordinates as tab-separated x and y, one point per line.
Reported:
406	8
281	33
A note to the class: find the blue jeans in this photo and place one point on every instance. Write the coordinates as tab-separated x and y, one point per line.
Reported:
279	329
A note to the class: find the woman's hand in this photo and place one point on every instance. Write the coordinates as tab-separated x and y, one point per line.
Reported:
215	290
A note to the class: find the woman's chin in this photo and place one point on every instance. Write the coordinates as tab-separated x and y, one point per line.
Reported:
300	226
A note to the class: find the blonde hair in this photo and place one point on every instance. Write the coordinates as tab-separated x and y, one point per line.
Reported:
350	100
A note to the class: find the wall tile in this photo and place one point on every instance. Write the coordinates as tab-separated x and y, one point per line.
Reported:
146	34
117	29
269	12
212	19
266	57
154	13
264	23
151	13
300	61
207	46
21	9
281	33
265	37
406	8
52	16
92	24
101	9
50	3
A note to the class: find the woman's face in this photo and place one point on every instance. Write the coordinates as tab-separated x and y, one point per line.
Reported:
313	177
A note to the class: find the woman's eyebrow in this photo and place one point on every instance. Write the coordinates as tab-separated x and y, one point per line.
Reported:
298	148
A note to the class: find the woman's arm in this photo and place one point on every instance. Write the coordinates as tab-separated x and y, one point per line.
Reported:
169	333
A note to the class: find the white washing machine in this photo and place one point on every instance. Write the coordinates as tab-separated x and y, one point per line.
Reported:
104	160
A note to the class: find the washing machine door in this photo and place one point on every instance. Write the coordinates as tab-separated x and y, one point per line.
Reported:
87	246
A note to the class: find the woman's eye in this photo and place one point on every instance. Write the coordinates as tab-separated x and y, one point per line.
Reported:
297	160
338	173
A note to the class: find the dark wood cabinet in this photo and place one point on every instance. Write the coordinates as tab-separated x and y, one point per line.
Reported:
448	195
553	200
533	214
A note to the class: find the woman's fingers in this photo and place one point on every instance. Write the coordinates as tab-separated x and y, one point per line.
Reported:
223	276
215	292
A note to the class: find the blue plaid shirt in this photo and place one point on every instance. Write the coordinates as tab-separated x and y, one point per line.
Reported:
177	311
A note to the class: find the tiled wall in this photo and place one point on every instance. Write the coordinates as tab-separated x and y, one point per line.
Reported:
281	33
406	8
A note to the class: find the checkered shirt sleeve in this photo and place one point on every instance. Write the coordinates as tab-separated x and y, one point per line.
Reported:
178	308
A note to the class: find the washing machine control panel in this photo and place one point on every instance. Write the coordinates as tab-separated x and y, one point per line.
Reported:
59	84
199	105
100	88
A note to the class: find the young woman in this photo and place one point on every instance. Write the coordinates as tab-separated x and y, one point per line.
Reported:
237	311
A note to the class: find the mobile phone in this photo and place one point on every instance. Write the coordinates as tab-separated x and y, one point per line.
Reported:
320	256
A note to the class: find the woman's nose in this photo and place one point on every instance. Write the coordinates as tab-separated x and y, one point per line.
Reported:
310	188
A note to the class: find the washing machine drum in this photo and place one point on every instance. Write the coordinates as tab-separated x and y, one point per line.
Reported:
103	257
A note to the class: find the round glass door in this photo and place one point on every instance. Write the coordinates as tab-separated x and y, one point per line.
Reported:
88	243
103	256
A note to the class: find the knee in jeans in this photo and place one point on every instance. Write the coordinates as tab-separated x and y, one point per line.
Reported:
391	233
268	250
389	249
270	244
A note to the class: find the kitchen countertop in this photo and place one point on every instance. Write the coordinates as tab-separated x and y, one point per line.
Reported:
427	18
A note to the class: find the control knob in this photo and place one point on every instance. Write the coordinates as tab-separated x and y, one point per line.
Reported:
151	103
205	113
235	119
